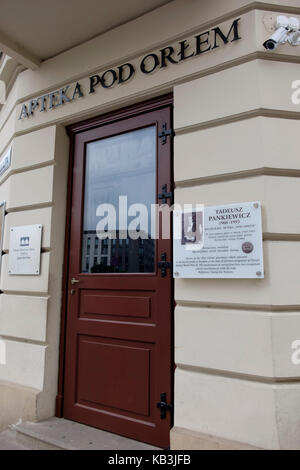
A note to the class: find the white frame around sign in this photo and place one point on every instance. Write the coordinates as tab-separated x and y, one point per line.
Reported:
25	258
193	264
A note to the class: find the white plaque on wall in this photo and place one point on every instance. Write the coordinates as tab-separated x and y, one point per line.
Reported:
5	161
232	246
25	250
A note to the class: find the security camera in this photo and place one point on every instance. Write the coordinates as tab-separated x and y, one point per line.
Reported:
281	34
294	37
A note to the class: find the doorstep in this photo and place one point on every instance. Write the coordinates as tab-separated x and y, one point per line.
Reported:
8	441
61	434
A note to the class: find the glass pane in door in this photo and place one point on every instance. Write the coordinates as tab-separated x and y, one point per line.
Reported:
120	187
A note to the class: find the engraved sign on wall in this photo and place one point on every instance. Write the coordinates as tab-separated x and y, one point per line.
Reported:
232	244
25	250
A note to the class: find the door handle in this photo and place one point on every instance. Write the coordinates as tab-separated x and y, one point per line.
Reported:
74	281
164	406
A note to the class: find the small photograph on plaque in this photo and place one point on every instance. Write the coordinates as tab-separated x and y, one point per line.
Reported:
192	231
25	250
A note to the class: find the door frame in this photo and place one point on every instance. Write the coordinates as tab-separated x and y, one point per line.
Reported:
72	130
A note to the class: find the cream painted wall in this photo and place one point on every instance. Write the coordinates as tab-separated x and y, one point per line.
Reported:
235	141
35	192
234	338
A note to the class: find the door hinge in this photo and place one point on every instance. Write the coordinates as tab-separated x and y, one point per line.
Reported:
164	195
165	133
164	265
164	406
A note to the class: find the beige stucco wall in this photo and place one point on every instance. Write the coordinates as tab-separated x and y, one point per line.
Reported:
35	192
236	140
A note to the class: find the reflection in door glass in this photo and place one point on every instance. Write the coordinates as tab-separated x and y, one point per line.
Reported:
120	168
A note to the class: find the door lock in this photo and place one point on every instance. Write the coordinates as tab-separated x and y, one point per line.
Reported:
164	406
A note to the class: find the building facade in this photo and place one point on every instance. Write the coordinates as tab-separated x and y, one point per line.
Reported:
201	68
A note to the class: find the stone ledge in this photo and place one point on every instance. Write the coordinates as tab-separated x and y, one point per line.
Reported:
184	439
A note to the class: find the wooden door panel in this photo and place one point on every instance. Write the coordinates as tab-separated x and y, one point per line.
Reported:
131	331
119	325
119	305
123	367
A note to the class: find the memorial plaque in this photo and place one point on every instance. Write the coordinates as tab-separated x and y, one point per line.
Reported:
231	247
25	250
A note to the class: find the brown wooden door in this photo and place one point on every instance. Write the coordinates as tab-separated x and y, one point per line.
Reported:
119	316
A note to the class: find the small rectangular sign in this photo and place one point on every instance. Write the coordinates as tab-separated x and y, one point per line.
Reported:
232	244
5	161
25	250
